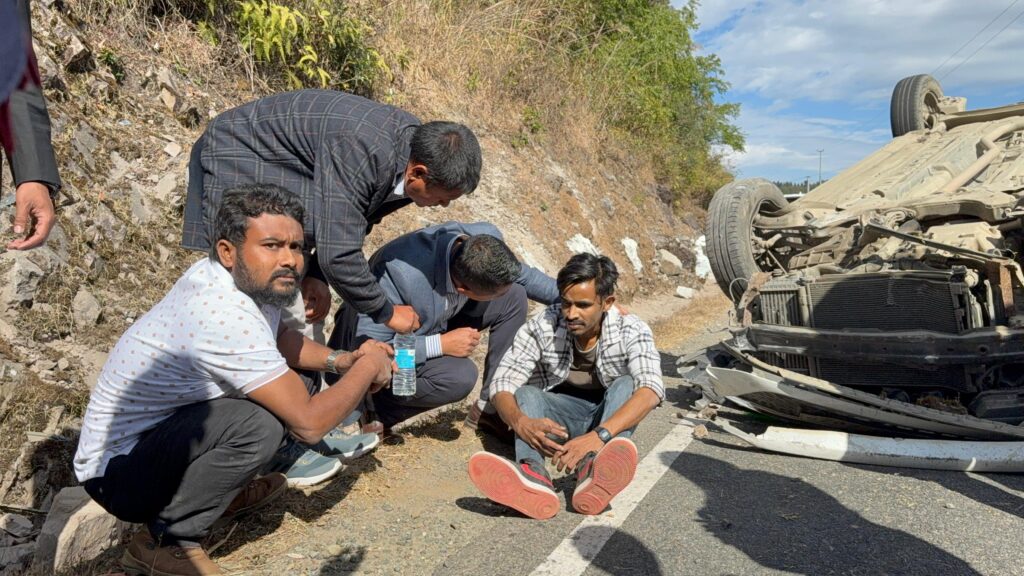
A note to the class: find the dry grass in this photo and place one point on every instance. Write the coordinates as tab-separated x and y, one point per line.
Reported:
707	309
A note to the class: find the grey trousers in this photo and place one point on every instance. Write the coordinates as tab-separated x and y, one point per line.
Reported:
181	476
448	379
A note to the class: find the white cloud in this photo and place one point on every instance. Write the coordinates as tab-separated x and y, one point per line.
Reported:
818	74
853	49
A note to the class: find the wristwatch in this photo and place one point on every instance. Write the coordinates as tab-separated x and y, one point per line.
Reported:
332	358
603	434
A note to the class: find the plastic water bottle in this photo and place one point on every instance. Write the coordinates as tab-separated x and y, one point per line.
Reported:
403	381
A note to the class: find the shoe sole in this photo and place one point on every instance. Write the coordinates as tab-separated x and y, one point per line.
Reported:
614	468
361	450
499	480
318	478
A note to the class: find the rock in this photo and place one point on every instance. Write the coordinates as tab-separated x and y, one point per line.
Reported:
16	525
189	116
92	365
670	263
165	187
85	143
49	72
631	246
21	278
94	264
17	555
77	56
334	550
700	431
76	530
85	309
170	99
140	206
579	244
172	149
63	364
608	206
703	266
163	254
684	292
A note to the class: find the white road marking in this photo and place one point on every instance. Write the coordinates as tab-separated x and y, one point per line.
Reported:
582	545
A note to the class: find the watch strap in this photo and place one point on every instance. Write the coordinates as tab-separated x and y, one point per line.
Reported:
332	358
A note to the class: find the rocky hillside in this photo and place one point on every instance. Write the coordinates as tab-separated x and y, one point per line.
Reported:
126	105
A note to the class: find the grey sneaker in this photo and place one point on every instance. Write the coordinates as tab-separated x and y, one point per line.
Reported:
304	467
339	444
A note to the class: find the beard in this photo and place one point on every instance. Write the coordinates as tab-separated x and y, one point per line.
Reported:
265	294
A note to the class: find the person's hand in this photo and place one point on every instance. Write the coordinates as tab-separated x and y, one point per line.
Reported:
316	296
460	342
574	450
404	320
374	344
535	431
380	362
33	216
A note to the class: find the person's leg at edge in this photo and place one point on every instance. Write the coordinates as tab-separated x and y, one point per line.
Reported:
600	477
439	381
614	397
183	474
525	484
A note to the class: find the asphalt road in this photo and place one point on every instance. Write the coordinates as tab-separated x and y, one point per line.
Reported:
723	508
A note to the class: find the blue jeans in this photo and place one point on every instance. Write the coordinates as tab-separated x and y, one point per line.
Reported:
578	415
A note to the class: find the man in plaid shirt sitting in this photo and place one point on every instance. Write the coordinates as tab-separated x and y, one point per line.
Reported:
578	379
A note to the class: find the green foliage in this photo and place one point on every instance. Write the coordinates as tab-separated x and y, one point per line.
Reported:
313	43
113	63
657	90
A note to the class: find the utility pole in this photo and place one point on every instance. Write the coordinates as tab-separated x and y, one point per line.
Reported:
807	184
820	150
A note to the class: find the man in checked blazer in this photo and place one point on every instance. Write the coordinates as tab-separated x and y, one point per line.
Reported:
352	161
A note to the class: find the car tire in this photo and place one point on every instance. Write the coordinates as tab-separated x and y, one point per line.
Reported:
730	231
914	99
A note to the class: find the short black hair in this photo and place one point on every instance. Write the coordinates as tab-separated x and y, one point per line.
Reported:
239	204
450	152
485	264
583	267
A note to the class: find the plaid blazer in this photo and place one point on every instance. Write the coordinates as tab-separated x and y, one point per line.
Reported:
341	153
541	353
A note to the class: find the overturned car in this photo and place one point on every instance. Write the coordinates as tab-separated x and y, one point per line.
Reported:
888	301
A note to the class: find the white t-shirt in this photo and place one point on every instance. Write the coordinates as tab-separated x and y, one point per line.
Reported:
204	340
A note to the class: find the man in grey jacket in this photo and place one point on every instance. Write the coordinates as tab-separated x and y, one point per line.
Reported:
25	131
461	279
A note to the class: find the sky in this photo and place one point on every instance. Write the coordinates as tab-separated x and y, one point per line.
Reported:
818	75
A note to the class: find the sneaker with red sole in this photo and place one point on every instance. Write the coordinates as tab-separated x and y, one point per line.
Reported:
525	487
600	478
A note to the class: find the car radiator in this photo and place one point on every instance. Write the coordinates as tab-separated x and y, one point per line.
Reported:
902	300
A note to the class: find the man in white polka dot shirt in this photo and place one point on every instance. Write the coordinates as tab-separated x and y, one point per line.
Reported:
199	394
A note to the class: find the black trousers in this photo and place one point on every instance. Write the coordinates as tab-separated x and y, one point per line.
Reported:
181	476
448	379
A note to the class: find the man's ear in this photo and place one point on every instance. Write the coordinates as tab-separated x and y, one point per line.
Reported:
608	301
226	253
416	171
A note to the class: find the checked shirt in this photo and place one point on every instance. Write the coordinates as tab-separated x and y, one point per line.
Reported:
542	353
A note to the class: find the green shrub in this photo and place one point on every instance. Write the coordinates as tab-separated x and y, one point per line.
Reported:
314	43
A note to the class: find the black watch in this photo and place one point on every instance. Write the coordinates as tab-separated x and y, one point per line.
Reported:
603	434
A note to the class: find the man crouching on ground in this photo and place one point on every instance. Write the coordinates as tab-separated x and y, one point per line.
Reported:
578	379
196	397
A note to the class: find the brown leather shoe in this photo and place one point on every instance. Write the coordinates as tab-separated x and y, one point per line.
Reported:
256	494
143	556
